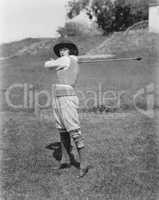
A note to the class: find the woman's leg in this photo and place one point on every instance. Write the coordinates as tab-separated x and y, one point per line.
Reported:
79	142
65	147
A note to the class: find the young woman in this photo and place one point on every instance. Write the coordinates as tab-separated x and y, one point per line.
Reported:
65	102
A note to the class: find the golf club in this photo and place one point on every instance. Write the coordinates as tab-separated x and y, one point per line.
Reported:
111	60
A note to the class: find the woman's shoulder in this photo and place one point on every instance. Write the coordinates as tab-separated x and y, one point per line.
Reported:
74	57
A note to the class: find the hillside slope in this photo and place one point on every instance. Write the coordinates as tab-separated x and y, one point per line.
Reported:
140	41
120	43
8	49
43	47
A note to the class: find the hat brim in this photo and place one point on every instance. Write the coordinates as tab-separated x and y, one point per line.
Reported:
72	48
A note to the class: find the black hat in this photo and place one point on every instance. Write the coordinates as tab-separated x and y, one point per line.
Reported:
65	43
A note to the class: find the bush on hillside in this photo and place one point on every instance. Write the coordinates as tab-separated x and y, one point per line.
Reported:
128	13
111	15
121	14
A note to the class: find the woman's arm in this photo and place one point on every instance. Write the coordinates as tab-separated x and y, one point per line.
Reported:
60	63
50	63
93	58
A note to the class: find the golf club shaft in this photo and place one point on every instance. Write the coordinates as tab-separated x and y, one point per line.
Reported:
110	60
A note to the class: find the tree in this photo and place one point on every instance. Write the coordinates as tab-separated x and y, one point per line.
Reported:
118	15
104	12
110	15
130	12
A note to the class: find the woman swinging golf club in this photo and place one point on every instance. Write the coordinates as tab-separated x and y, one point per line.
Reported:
66	103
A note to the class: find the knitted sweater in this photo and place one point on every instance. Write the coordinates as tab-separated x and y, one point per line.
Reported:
67	70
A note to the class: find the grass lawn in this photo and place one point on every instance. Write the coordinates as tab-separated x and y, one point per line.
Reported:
122	150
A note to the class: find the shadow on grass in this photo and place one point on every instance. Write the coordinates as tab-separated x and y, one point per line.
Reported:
56	147
57	153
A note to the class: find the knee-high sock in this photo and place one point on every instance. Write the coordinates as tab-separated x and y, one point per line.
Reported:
65	145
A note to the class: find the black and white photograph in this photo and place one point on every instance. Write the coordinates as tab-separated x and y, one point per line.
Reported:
79	100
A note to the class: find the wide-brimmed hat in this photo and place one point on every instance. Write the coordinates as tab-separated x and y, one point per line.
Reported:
65	43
